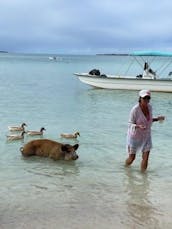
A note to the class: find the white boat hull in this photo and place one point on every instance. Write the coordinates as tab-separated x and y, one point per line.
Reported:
126	83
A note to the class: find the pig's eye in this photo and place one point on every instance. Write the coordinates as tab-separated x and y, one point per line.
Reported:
67	151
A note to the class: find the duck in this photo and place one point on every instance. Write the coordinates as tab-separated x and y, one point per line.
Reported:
17	128
13	137
66	135
33	132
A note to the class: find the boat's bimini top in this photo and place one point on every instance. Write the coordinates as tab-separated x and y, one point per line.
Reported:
151	53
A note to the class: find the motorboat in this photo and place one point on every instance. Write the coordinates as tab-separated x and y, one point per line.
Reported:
52	58
149	78
55	58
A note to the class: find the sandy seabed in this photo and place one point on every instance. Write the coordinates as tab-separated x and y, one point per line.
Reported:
92	216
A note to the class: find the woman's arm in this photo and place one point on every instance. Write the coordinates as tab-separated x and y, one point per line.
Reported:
159	118
133	119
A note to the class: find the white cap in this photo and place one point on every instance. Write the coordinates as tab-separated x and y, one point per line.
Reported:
144	93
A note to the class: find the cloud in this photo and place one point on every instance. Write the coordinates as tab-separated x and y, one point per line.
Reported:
89	27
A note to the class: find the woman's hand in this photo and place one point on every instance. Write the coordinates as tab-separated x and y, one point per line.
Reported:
161	118
141	127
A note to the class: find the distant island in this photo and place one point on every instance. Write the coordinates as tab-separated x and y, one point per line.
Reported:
113	54
3	51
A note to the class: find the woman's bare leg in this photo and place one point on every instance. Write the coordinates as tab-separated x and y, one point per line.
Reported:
130	159
144	163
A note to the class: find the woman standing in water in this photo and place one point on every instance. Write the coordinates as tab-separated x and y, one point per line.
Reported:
139	129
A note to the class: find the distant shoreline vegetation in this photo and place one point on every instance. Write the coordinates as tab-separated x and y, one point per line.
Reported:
3	51
113	54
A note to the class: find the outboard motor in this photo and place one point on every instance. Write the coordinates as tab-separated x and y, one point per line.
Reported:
95	72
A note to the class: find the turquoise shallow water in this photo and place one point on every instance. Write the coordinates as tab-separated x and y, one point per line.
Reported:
96	191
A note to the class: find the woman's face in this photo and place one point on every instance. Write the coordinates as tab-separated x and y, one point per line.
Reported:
145	100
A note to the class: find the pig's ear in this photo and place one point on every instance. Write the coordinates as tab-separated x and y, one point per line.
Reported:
76	146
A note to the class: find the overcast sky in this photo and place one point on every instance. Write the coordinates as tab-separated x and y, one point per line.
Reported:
85	26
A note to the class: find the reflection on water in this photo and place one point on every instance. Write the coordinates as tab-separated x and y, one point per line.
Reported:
50	168
141	210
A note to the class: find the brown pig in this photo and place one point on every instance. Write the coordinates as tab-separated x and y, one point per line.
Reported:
50	148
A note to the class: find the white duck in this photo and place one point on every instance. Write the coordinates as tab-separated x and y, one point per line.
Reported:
33	132
74	135
13	137
17	128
